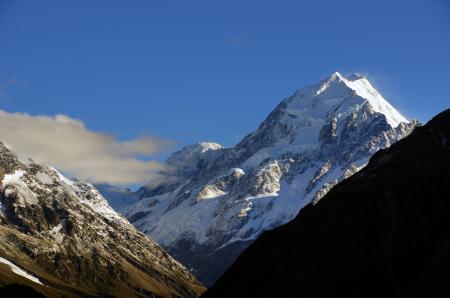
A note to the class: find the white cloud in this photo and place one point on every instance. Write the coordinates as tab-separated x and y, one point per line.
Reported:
65	143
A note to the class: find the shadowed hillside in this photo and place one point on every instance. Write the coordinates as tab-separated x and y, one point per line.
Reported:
384	232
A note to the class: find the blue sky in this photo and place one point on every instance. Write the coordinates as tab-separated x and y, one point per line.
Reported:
191	71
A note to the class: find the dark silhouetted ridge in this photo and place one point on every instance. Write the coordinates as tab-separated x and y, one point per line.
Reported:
383	232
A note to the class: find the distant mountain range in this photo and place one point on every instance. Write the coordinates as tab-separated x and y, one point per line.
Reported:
62	239
216	201
384	232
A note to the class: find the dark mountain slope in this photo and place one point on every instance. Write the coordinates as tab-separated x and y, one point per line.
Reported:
384	232
19	291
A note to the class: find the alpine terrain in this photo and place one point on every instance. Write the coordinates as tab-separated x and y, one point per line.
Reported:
216	201
384	232
61	238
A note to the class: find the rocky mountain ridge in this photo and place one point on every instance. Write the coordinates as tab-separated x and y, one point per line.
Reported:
61	237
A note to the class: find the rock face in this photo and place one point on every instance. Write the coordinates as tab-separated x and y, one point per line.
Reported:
384	232
62	238
216	201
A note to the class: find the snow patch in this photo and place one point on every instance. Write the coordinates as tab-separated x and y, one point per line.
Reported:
20	271
13	178
24	193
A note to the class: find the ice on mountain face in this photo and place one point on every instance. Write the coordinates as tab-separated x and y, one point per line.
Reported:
194	221
218	200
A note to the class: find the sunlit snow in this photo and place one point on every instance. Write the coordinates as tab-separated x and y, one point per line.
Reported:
20	271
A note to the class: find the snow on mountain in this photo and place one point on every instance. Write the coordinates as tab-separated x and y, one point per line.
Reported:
215	201
87	194
64	237
384	232
19	271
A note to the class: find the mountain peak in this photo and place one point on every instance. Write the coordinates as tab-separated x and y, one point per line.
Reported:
221	199
342	95
335	76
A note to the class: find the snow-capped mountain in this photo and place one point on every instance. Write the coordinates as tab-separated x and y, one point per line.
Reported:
216	201
62	238
384	232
